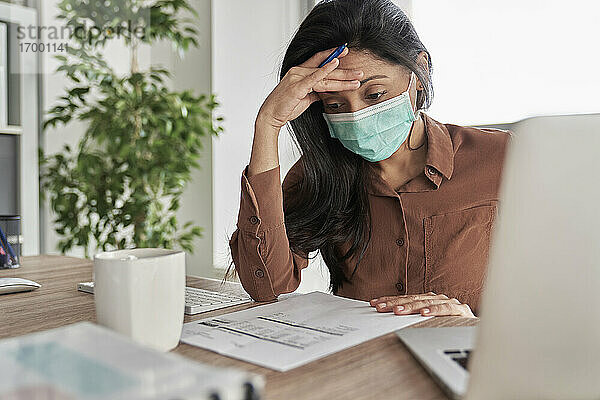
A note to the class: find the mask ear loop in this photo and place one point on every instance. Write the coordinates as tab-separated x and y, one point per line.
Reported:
413	124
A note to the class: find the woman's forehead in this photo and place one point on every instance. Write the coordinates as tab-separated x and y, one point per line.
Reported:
365	60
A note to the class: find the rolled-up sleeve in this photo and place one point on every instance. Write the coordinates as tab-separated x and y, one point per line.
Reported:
260	248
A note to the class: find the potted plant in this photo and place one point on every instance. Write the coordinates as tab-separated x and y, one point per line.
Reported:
122	185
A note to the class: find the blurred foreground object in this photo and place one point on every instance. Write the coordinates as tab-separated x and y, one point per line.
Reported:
87	361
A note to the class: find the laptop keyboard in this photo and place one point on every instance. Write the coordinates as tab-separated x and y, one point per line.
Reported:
461	357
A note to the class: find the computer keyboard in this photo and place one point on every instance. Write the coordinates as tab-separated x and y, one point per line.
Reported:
201	300
196	300
461	357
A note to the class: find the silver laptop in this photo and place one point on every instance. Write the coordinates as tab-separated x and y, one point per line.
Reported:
539	335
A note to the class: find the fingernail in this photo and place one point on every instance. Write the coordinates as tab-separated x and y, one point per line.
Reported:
425	311
399	308
381	305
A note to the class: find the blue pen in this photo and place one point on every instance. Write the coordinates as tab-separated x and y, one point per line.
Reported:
333	55
7	245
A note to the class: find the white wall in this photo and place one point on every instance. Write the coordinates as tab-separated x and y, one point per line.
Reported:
249	42
193	72
503	61
249	39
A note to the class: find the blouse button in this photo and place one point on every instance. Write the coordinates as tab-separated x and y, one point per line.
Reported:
431	171
400	242
400	287
259	273
253	220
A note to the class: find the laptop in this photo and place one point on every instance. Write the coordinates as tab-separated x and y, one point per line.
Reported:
539	334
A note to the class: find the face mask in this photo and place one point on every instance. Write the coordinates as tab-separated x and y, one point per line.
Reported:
377	131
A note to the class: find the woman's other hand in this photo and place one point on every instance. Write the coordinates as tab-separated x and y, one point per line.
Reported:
297	89
427	304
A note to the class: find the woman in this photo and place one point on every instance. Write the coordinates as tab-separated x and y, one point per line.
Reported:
399	205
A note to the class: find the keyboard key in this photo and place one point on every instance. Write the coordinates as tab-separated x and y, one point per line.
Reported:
201	300
453	352
462	361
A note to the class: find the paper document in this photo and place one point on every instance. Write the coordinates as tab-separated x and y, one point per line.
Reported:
86	361
294	331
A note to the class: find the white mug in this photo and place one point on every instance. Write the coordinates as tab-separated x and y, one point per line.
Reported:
141	293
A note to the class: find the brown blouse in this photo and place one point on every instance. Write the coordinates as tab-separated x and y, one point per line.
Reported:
431	235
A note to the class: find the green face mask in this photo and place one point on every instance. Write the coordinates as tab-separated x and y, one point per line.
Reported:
377	131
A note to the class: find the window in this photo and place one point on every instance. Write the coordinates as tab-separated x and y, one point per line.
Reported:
498	62
504	61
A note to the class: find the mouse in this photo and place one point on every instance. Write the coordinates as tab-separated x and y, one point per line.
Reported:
15	285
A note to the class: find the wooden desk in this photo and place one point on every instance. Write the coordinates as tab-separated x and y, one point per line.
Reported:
379	369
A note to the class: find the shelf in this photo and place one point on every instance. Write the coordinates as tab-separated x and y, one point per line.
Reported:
11	130
16	5
23	134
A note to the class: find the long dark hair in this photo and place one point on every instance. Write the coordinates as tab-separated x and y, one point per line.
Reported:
329	208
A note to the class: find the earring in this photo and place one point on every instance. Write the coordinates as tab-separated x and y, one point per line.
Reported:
410	134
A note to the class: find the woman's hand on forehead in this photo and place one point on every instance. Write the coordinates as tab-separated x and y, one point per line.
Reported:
339	79
298	89
318	58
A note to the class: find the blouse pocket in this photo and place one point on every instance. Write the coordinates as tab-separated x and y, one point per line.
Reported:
456	252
